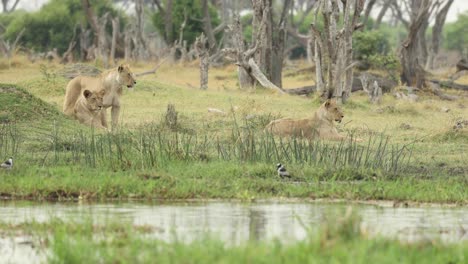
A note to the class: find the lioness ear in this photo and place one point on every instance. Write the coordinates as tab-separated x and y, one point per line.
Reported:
121	68
327	103
87	93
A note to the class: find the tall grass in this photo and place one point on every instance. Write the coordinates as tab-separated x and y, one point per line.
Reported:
152	146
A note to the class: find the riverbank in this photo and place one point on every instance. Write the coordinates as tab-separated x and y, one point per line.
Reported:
220	180
410	153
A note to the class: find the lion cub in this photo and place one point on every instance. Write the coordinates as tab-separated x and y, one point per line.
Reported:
319	126
88	108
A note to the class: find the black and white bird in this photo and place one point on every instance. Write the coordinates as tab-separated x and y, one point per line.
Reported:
282	172
8	164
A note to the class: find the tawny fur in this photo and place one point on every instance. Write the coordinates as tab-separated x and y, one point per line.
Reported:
319	126
110	82
88	108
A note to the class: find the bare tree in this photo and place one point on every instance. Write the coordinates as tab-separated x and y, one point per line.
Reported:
99	29
6	3
248	70
115	34
412	72
166	12
139	40
203	55
441	15
269	55
8	48
334	47
302	9
367	11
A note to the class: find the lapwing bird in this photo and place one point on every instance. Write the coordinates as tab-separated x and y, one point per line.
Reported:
282	172
8	164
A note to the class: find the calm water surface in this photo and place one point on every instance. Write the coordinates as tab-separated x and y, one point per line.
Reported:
235	223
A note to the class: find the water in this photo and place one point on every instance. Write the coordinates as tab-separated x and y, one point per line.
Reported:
235	223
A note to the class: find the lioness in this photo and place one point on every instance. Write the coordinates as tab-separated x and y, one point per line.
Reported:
110	81
88	108
319	126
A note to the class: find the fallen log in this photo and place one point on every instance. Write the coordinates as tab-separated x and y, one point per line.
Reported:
384	83
152	71
261	78
450	84
305	90
435	88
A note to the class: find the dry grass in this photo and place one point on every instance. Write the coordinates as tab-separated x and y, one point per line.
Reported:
177	84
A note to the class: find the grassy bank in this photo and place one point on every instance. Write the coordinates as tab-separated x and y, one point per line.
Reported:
196	180
410	150
343	241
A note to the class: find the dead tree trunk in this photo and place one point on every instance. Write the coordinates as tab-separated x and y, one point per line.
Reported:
204	56
248	70
207	27
367	11
334	50
115	33
278	43
437	32
241	54
85	41
373	90
140	43
262	27
412	72
128	43
67	56
99	28
7	48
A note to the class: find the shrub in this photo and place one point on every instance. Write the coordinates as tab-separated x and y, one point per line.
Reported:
53	25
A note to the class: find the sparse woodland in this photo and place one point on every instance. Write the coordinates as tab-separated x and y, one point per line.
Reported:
342	41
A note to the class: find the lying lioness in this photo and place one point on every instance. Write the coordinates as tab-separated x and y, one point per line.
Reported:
88	108
319	126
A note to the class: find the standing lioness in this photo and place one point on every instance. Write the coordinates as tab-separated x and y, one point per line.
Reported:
110	81
319	126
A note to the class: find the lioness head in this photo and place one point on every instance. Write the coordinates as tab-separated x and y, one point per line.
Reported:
334	111
94	100
127	78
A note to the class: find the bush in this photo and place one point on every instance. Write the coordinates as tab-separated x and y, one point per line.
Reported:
194	26
368	43
384	62
53	25
455	36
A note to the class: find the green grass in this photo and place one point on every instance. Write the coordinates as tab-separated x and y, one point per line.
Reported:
199	180
17	104
339	241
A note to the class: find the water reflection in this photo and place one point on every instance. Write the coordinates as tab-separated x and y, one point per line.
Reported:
235	223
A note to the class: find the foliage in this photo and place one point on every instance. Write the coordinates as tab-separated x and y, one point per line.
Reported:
53	25
367	43
455	36
384	62
192	9
6	18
